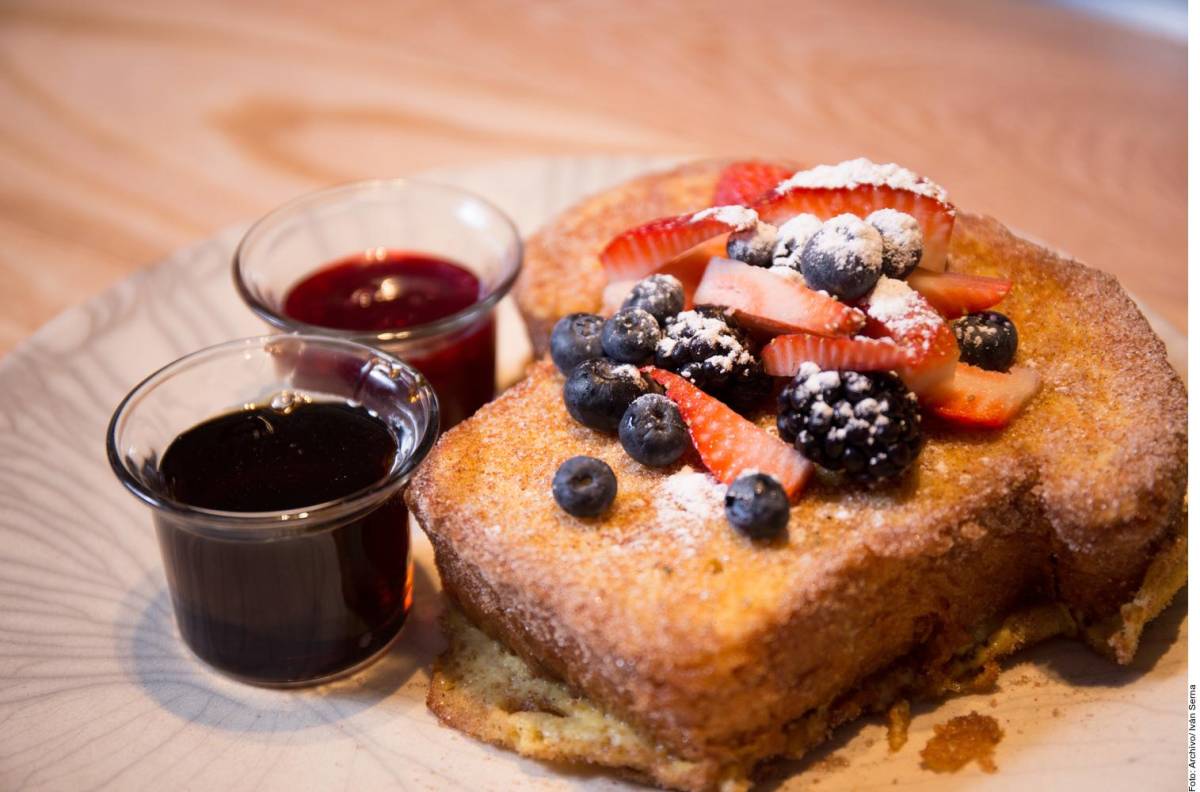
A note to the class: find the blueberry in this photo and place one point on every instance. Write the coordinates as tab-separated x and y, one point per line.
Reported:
902	241
630	335
574	339
661	296
754	246
598	391
652	431
844	258
791	239
584	486
756	505
987	339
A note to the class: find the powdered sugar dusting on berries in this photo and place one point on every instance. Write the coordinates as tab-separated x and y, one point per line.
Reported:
901	235
713	332
908	317
627	371
848	242
856	172
791	238
734	216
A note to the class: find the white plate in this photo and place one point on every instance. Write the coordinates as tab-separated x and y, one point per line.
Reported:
97	691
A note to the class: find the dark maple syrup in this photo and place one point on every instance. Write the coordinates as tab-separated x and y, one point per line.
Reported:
305	606
394	290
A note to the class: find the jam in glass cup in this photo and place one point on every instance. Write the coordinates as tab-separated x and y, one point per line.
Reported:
300	592
413	268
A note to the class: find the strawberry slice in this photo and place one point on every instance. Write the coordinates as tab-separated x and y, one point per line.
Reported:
860	187
783	355
897	312
985	399
689	268
743	182
765	301
730	445
639	251
955	294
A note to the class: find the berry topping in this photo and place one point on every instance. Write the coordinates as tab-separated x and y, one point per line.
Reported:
783	355
902	244
791	238
757	506
728	444
574	339
712	352
754	246
984	399
860	187
844	258
865	425
652	431
987	340
597	392
954	294
640	251
899	313
742	182
764	301
630	335
661	296
584	486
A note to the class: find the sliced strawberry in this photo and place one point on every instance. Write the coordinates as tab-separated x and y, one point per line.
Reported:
897	312
743	182
728	443
954	294
859	188
689	268
986	399
765	301
639	251
783	355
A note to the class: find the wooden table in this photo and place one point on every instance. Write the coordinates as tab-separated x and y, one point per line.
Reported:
129	128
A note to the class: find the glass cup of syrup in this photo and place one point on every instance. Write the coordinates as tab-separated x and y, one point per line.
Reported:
412	268
275	469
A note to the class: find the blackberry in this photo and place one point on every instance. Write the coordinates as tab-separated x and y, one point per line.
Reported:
863	424
661	296
711	351
987	339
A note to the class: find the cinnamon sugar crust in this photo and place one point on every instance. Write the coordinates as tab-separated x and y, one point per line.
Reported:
710	644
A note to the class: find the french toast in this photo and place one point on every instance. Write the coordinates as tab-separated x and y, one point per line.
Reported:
716	652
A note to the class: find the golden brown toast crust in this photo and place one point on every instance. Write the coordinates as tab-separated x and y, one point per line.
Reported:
710	643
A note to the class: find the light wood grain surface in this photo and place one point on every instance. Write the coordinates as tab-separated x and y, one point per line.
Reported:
129	128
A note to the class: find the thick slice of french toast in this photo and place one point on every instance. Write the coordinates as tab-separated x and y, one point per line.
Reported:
714	648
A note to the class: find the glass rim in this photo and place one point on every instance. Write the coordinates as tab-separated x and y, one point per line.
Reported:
283	522
444	325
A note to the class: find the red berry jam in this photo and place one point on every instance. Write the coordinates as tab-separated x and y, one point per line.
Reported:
304	607
393	290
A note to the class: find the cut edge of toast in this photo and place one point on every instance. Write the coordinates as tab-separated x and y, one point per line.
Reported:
484	690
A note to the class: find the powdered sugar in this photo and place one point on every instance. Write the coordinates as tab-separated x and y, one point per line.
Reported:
792	237
713	332
856	172
734	216
902	240
908	318
847	242
684	501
